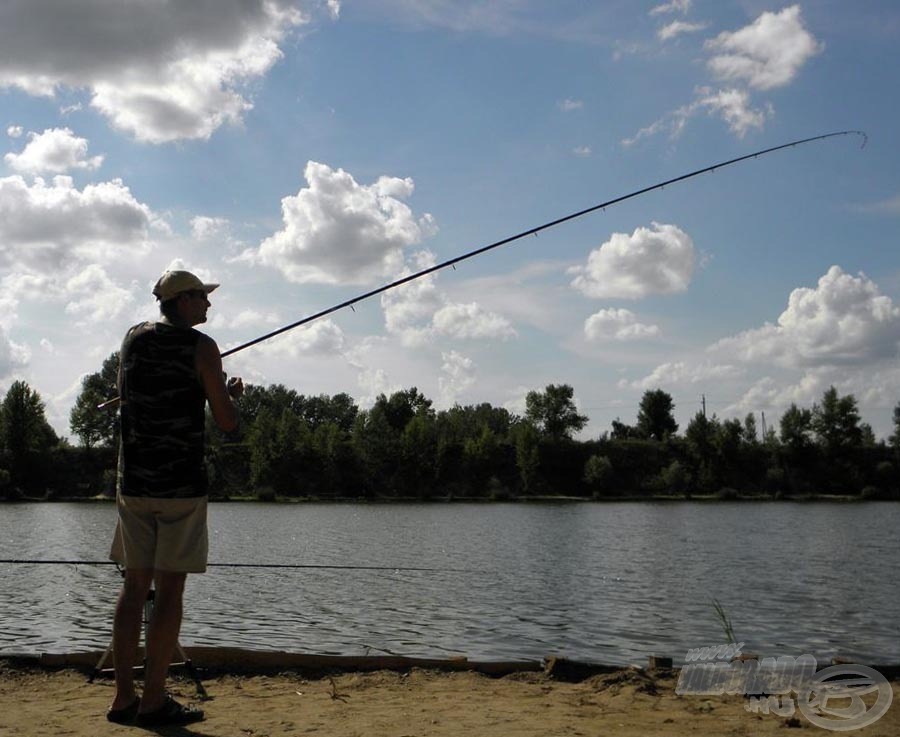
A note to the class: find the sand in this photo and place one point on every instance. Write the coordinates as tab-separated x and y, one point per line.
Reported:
416	703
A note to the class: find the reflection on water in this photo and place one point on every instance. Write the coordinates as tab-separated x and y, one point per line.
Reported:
609	583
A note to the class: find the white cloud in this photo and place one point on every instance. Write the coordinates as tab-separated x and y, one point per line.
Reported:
568	105
44	225
322	338
12	355
56	150
203	228
613	324
732	105
680	372
678	27
417	311
845	320
251	318
94	298
160	71
766	54
14	131
675	6
471	321
889	206
649	261
408	308
457	375
582	151
337	231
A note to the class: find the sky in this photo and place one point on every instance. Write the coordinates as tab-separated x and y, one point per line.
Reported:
302	153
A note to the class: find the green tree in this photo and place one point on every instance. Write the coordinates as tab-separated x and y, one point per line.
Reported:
836	421
525	438
750	432
553	412
655	419
25	436
598	473
675	478
700	436
93	426
895	437
796	428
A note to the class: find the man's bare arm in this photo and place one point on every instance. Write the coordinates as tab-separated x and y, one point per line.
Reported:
219	396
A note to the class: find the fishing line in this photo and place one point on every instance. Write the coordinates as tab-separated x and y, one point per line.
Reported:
323	566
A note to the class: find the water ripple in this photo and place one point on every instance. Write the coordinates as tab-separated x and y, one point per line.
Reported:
609	582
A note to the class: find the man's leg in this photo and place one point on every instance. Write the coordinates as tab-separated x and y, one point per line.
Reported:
162	637
127	632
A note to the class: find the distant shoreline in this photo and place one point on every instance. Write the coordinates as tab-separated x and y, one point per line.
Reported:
538	499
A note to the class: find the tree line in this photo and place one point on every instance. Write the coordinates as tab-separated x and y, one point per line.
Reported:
297	446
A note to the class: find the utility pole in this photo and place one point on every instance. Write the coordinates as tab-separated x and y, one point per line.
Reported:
703	403
763	414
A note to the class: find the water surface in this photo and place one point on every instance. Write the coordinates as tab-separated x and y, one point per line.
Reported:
610	582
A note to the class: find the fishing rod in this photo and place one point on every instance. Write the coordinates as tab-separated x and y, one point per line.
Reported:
523	234
535	231
22	561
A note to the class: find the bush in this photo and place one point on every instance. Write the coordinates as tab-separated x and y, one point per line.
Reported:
598	472
727	494
265	494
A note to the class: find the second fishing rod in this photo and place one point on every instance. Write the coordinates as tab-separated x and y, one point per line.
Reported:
518	236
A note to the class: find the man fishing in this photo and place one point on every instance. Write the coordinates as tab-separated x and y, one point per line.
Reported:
168	371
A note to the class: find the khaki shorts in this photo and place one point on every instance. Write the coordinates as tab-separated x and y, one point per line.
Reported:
163	534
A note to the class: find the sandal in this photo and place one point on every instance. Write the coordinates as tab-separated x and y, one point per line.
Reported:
126	714
171	712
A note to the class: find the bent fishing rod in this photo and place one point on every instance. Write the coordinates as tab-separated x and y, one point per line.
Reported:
524	234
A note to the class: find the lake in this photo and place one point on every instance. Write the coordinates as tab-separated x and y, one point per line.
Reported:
603	582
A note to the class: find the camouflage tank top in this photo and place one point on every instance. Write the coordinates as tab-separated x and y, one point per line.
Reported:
162	414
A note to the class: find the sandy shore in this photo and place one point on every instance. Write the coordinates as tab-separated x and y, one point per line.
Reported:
418	703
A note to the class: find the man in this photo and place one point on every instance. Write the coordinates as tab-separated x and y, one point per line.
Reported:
168	371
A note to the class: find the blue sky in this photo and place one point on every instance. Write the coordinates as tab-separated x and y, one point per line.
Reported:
301	153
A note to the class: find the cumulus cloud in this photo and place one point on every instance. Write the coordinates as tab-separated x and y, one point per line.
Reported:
12	355
418	311
159	71
322	338
734	106
582	151
94	297
55	151
766	54
203	228
43	225
337	231
680	372
844	320
457	375
14	131
657	260
677	28
613	324
252	318
471	321
408	309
